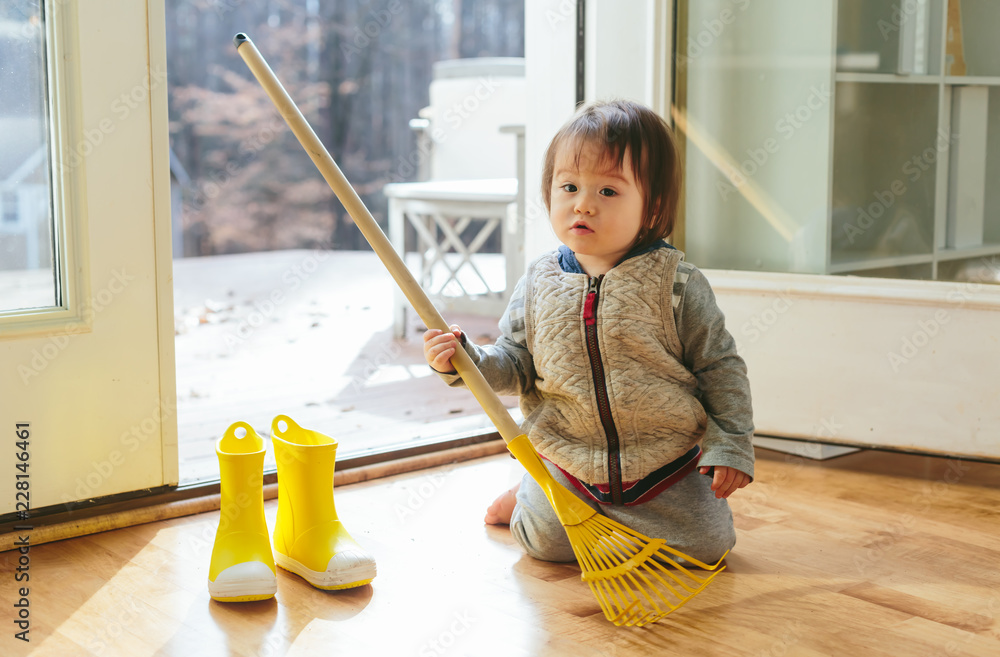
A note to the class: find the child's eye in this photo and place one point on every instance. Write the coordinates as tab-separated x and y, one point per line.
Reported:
608	192
569	187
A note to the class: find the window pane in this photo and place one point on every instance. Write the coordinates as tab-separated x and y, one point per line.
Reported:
883	201
810	149
920	272
875	36
27	265
757	99
280	304
973	46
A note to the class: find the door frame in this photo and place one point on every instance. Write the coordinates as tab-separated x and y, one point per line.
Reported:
100	371
163	241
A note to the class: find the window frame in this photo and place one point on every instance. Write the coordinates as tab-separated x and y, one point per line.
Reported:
64	127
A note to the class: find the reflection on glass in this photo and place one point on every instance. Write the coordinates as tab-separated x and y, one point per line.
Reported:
884	171
972	47
254	201
991	195
922	272
754	117
27	266
889	36
982	270
813	152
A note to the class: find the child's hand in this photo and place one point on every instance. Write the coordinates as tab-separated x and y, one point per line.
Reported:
726	480
439	347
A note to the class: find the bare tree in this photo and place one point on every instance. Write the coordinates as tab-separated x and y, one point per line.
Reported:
360	70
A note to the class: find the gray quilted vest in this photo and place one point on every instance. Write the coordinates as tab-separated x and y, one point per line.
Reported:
652	399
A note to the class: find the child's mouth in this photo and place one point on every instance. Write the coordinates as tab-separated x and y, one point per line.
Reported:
580	228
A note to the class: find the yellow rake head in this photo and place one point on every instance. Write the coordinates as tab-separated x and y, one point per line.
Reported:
637	580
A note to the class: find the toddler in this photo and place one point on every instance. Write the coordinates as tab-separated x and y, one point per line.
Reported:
629	382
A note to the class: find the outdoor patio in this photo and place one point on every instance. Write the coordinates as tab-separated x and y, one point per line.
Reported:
308	334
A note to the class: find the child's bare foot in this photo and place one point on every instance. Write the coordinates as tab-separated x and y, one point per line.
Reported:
502	508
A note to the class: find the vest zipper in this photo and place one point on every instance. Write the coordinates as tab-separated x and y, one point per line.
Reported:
601	387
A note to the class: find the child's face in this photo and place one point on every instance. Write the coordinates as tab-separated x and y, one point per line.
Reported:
596	210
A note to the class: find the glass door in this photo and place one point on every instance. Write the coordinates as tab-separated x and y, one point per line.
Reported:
841	180
29	265
85	322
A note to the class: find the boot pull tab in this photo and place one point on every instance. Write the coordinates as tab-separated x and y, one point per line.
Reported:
278	421
240	438
296	435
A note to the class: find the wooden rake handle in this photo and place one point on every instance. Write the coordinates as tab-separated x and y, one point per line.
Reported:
471	375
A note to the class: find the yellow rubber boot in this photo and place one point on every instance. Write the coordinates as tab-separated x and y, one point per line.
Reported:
309	540
242	564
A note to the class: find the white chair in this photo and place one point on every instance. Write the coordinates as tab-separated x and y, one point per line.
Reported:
474	191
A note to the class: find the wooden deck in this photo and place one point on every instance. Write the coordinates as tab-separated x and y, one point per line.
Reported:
870	555
306	334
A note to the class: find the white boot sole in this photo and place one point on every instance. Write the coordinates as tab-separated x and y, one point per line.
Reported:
244	582
344	578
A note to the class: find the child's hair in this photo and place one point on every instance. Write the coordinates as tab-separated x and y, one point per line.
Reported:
619	127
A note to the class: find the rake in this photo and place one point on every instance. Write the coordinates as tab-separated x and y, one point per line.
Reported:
637	580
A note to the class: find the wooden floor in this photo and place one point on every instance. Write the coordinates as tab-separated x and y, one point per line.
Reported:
871	554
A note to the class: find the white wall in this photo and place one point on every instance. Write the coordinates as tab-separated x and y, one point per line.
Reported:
550	72
868	362
625	42
636	67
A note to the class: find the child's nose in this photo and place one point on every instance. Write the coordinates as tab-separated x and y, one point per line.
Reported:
584	204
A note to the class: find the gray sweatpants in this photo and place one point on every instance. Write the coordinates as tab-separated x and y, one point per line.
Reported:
687	515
